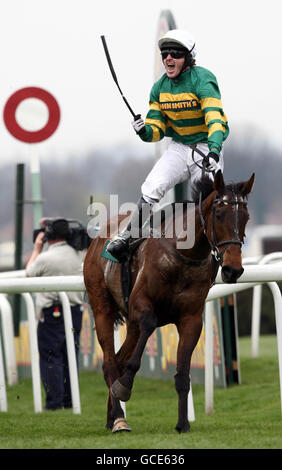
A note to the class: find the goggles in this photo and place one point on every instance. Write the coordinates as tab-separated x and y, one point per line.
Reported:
175	53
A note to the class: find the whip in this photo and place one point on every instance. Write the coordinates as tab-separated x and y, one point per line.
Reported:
136	116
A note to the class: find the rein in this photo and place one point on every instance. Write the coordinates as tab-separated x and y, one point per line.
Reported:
205	160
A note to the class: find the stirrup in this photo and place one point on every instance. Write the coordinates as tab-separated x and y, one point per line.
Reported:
118	245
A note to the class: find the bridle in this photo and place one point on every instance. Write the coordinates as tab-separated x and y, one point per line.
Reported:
217	255
214	244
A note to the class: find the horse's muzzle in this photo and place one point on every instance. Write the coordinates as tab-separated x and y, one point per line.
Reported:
230	274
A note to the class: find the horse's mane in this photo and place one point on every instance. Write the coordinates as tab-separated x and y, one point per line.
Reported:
205	186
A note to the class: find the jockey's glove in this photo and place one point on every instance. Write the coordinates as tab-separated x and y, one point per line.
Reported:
213	160
138	125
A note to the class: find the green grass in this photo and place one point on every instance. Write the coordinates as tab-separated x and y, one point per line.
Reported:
247	416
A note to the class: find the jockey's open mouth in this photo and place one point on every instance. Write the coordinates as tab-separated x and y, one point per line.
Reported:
173	66
170	67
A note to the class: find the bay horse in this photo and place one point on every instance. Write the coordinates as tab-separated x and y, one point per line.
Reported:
168	285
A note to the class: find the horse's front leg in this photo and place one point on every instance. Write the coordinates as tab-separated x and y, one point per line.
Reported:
104	323
147	322
127	348
189	330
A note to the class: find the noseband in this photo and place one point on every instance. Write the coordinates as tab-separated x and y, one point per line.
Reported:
214	244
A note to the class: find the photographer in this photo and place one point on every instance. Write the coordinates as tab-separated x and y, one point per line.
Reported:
59	259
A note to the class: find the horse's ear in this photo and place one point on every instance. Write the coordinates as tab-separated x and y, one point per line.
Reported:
219	184
248	186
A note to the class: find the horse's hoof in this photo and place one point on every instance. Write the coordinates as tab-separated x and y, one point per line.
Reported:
120	425
120	391
182	429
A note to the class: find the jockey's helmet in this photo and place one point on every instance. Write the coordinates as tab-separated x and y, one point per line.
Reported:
179	38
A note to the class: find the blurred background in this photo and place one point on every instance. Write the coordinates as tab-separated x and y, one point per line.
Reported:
94	151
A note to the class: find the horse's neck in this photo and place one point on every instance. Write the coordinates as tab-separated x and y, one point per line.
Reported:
201	248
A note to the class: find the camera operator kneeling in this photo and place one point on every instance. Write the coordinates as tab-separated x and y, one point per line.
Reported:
59	259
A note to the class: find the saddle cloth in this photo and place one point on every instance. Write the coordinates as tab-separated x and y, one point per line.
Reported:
125	272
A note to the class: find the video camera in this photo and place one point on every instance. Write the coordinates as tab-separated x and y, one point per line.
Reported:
72	230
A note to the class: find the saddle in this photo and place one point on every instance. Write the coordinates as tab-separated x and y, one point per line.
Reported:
125	272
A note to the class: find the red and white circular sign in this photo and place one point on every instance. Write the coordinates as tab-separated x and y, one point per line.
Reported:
20	132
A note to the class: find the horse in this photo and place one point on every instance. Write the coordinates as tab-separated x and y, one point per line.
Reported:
168	285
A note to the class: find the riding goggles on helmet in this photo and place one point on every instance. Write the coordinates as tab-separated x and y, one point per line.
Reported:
175	53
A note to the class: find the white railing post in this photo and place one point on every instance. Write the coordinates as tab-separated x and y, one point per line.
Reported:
8	340
209	357
256	305
3	395
255	329
277	298
34	355
71	353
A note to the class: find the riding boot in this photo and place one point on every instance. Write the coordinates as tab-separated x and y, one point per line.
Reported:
119	244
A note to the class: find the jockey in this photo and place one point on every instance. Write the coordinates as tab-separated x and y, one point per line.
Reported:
185	104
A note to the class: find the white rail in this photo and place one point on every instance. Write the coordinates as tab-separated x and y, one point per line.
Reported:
209	379
256	305
13	274
3	394
257	274
71	353
8	340
253	275
277	298
34	356
42	284
257	297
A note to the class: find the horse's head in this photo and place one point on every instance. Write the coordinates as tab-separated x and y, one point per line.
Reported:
227	222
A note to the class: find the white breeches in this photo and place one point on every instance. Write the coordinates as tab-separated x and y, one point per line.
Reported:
175	166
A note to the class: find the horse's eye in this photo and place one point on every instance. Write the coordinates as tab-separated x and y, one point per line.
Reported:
219	214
